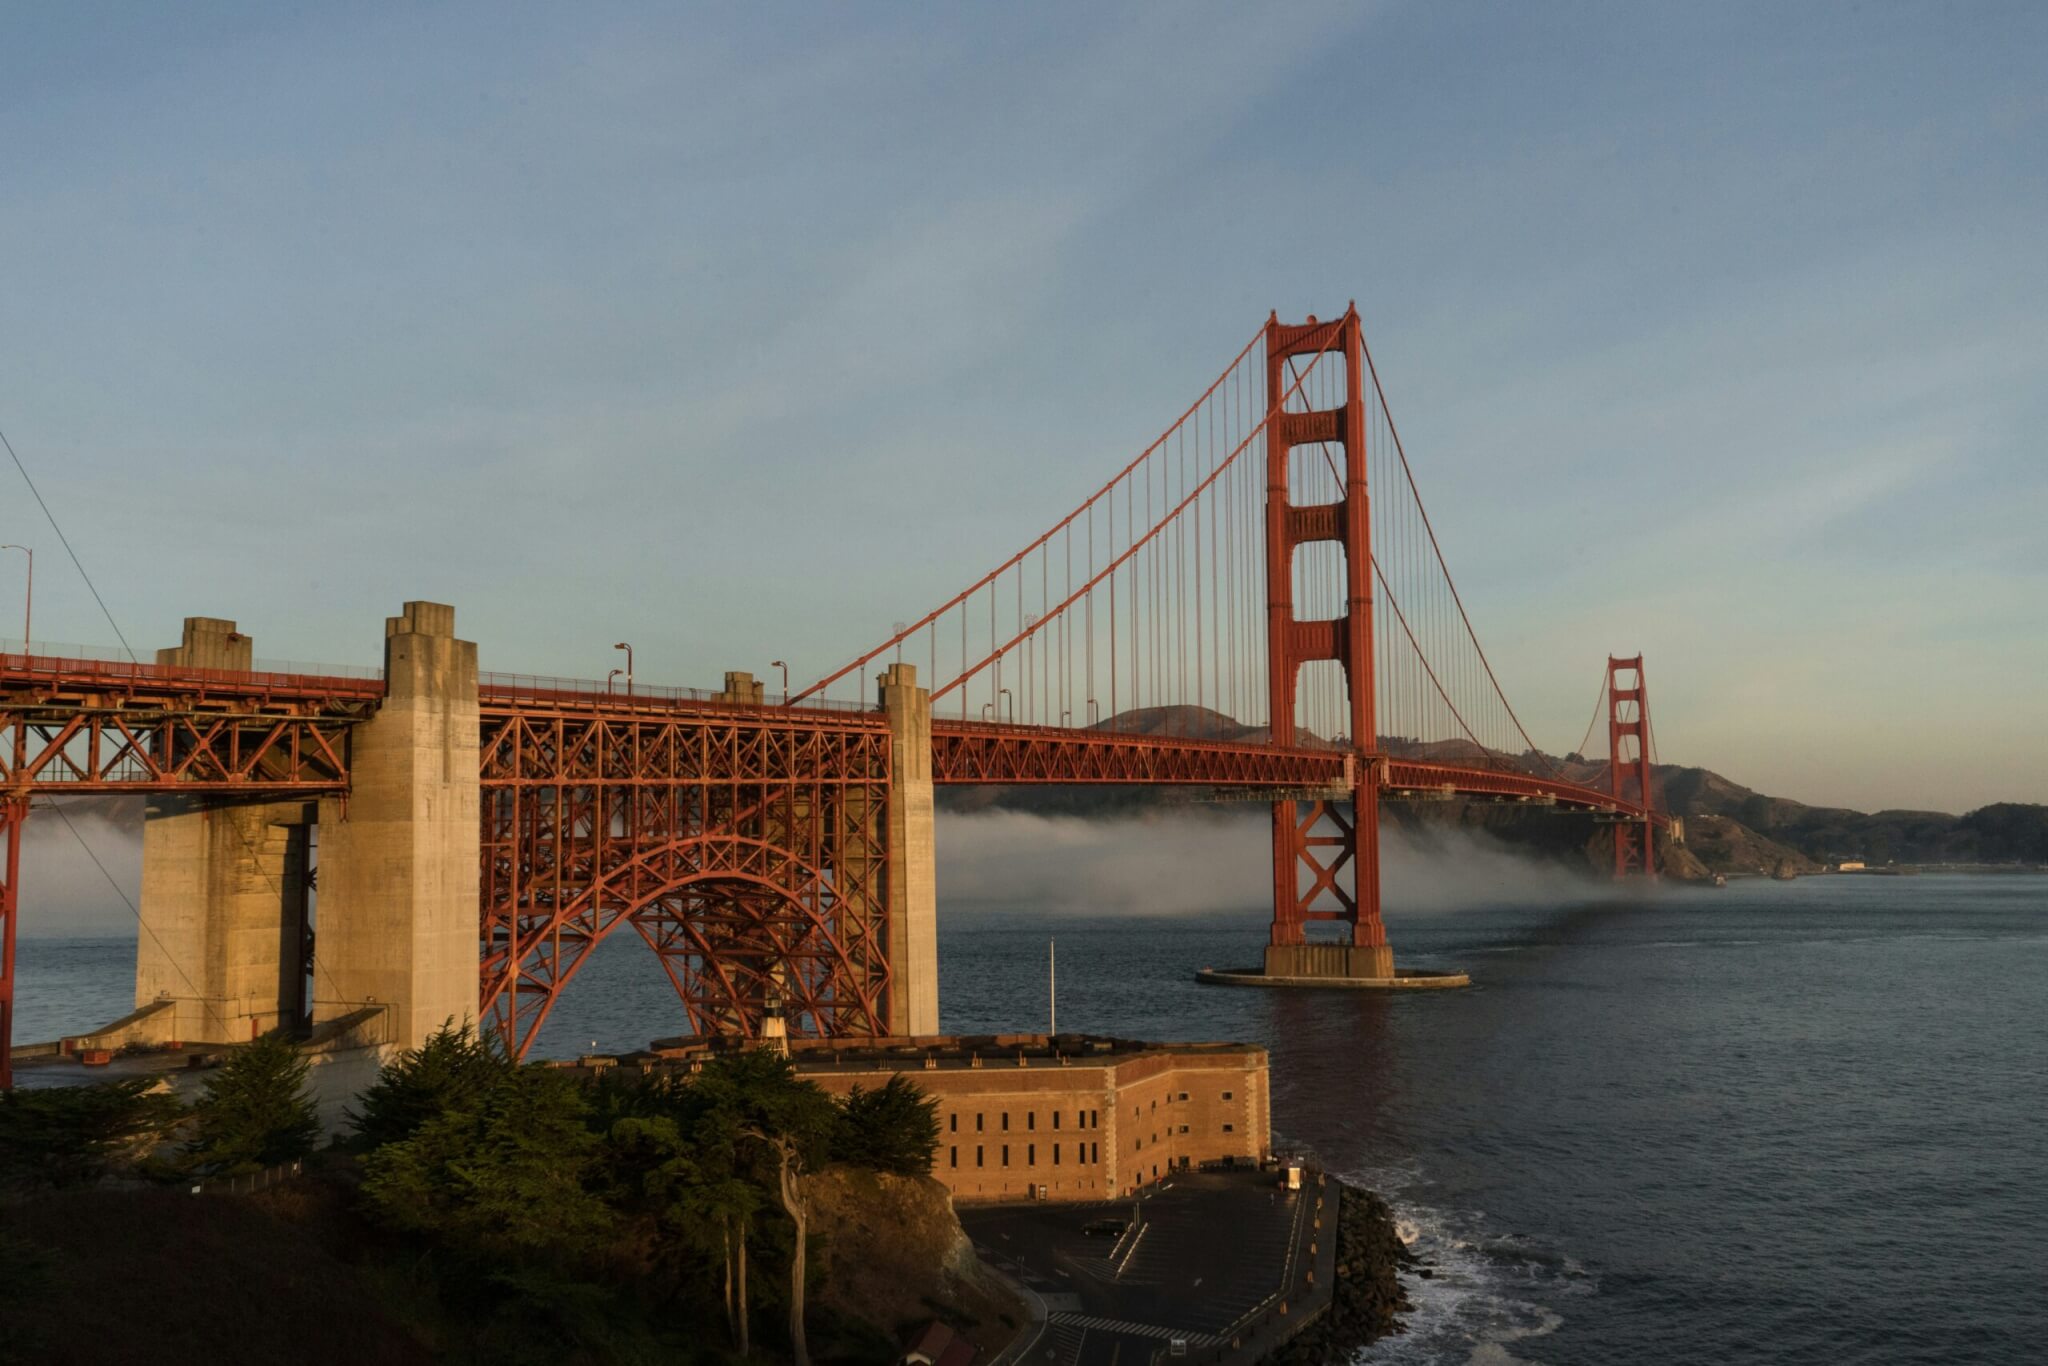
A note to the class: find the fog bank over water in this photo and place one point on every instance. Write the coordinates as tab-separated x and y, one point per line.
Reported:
62	892
1207	860
1177	862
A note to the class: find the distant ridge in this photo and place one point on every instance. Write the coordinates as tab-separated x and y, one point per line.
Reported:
1729	828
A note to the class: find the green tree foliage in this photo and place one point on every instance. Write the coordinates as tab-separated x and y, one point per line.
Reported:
2009	831
512	1171
893	1128
71	1135
759	1090
450	1071
685	1184
255	1112
693	1181
782	1129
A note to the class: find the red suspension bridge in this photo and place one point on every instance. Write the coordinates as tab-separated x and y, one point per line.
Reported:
1256	603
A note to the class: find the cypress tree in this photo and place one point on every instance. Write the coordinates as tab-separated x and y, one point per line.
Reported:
255	1112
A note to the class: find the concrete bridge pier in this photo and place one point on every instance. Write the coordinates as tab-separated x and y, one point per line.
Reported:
227	890
224	908
224	894
910	882
399	854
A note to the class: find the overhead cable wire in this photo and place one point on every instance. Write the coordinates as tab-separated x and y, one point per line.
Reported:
65	541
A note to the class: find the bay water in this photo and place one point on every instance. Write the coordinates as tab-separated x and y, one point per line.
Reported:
1779	1122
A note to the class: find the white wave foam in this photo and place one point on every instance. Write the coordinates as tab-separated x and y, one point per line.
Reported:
1487	1289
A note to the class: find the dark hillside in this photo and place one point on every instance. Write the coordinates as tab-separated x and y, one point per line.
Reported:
1729	828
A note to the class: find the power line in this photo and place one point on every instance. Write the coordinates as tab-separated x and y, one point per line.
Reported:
254	858
65	541
136	911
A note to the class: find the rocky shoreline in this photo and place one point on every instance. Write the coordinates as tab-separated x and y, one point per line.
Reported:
1370	1256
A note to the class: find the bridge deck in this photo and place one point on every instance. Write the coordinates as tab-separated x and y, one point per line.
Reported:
101	726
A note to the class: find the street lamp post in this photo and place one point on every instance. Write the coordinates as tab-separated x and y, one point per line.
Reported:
778	664
28	597
622	645
1013	705
609	677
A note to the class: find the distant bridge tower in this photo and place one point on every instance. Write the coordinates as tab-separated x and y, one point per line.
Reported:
1628	765
1319	848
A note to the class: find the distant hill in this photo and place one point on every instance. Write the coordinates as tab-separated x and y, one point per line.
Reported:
1729	828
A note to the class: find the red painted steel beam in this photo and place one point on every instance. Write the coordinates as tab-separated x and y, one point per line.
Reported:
111	681
1401	775
13	811
965	752
94	726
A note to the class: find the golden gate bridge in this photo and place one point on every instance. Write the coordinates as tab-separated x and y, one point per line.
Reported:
1256	603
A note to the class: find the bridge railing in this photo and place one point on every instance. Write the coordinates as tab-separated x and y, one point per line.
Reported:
65	650
111	666
541	687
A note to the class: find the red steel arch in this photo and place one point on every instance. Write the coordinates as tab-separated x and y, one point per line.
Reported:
732	918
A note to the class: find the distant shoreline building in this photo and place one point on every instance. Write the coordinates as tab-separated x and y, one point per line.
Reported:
1028	1117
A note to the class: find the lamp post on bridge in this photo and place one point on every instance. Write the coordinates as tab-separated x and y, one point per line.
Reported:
28	597
609	677
778	664
1013	705
622	645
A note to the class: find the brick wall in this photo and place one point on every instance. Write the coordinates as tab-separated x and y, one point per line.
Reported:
1083	1130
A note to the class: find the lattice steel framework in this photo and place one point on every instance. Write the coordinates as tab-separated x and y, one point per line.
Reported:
79	727
964	752
743	845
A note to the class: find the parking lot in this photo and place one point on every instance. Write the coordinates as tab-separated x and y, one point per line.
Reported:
1191	1259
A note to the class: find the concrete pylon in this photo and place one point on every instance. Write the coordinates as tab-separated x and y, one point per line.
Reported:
210	643
910	884
223	891
398	901
224	915
741	687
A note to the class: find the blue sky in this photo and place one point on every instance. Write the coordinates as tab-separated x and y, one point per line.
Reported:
1715	331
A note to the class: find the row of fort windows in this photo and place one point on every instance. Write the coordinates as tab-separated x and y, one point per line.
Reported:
1083	1119
1083	1153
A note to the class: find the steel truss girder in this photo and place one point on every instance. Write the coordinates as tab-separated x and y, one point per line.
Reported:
964	752
79	751
1458	781
744	848
82	726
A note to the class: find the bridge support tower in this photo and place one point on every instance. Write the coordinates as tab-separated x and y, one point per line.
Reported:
399	856
225	939
910	881
228	899
1325	861
1628	765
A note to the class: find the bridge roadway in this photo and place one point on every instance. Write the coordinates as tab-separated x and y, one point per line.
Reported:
79	727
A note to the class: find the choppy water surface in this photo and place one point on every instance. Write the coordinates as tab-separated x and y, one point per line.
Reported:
1797	1123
